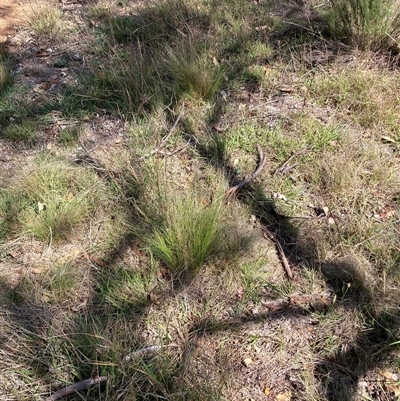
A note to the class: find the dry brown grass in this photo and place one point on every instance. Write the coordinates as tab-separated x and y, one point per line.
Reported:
236	327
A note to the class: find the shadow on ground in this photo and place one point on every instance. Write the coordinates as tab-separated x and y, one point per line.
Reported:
340	373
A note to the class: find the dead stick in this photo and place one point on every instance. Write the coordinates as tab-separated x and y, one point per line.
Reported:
261	165
172	153
79	386
285	263
285	166
172	130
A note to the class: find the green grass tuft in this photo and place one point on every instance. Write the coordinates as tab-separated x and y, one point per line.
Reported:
5	74
192	73
190	234
124	290
70	135
47	21
25	132
53	200
365	23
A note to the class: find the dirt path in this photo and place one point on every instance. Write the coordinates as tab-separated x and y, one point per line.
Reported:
12	14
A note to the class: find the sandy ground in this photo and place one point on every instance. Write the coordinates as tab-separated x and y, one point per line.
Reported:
11	17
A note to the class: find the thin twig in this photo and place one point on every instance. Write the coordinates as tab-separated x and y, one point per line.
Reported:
268	234
166	137
177	30
174	152
285	168
50	243
261	165
79	386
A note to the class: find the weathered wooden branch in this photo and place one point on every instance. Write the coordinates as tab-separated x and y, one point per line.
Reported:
146	351
261	165
79	386
268	234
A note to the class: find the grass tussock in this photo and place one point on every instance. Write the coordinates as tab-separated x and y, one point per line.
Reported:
138	79
124	290
190	234
364	23
5	70
24	133
47	21
52	201
192	73
128	81
5	74
70	135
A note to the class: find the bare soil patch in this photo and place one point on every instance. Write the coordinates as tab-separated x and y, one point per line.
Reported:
12	17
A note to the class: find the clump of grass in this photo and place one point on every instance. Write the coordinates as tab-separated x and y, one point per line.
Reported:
137	76
122	28
190	233
193	74
54	199
61	283
160	23
10	208
14	106
25	132
70	135
67	196
47	21
254	74
5	74
365	23
5	70
128	81
124	290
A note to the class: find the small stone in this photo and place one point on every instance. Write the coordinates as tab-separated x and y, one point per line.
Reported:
248	361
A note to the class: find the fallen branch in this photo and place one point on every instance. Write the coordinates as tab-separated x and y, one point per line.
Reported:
166	137
79	386
268	234
261	165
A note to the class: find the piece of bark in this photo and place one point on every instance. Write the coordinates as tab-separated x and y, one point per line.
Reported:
79	386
